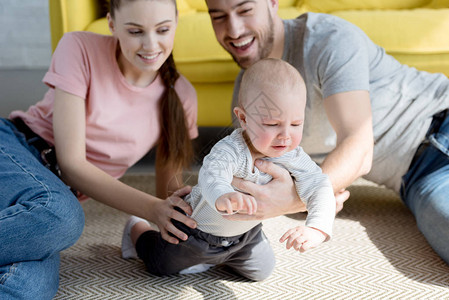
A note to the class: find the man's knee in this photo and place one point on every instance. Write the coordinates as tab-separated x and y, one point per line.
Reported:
432	218
427	199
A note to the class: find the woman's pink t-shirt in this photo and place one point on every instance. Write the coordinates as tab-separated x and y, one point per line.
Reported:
122	121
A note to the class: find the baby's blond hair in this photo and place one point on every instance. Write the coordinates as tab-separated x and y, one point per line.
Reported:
269	74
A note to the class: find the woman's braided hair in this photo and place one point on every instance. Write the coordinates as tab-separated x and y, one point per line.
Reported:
174	145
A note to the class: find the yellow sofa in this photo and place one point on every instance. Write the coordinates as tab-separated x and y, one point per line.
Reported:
416	32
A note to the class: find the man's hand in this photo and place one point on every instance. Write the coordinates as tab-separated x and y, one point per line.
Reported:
340	198
278	197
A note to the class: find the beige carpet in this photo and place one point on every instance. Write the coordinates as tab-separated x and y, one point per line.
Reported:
376	253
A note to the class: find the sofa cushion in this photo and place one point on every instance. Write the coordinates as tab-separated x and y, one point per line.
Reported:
417	31
437	4
183	6
333	5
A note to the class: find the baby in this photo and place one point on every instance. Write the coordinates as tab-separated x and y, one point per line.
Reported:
271	110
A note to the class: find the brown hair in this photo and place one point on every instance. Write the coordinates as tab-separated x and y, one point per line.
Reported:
174	147
116	4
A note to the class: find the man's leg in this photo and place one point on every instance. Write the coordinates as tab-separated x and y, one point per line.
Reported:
426	191
428	199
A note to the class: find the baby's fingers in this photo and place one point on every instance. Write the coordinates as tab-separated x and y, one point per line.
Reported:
292	231
251	205
229	208
254	203
287	235
295	237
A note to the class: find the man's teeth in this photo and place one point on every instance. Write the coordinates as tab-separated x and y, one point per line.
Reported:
149	56
243	43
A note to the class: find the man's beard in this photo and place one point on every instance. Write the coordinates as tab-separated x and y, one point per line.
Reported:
265	47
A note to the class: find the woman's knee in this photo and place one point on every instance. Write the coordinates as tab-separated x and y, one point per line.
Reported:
64	217
70	218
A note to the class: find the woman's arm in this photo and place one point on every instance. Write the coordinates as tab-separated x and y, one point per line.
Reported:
69	126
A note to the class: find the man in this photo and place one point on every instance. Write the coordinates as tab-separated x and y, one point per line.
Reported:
366	114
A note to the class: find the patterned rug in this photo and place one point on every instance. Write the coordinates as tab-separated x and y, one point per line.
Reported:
377	252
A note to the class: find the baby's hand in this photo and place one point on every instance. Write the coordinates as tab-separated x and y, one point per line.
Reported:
236	201
303	238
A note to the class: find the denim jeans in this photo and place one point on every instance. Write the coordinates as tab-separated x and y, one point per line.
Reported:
39	217
425	189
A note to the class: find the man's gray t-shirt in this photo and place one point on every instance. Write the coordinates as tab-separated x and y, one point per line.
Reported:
334	56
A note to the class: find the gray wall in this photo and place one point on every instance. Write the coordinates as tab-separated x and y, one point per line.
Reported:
25	35
25	53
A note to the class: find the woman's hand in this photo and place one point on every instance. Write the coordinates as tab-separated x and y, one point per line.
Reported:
163	212
278	197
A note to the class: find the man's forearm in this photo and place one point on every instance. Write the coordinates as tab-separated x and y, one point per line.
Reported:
347	162
352	157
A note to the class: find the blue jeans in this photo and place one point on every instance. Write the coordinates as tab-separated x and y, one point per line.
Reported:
425	189
39	217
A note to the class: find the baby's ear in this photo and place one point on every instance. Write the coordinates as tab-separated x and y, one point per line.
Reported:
241	116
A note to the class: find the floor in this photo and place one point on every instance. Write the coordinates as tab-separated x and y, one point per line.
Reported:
21	88
376	252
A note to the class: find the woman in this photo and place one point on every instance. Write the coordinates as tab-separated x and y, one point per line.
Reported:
110	100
